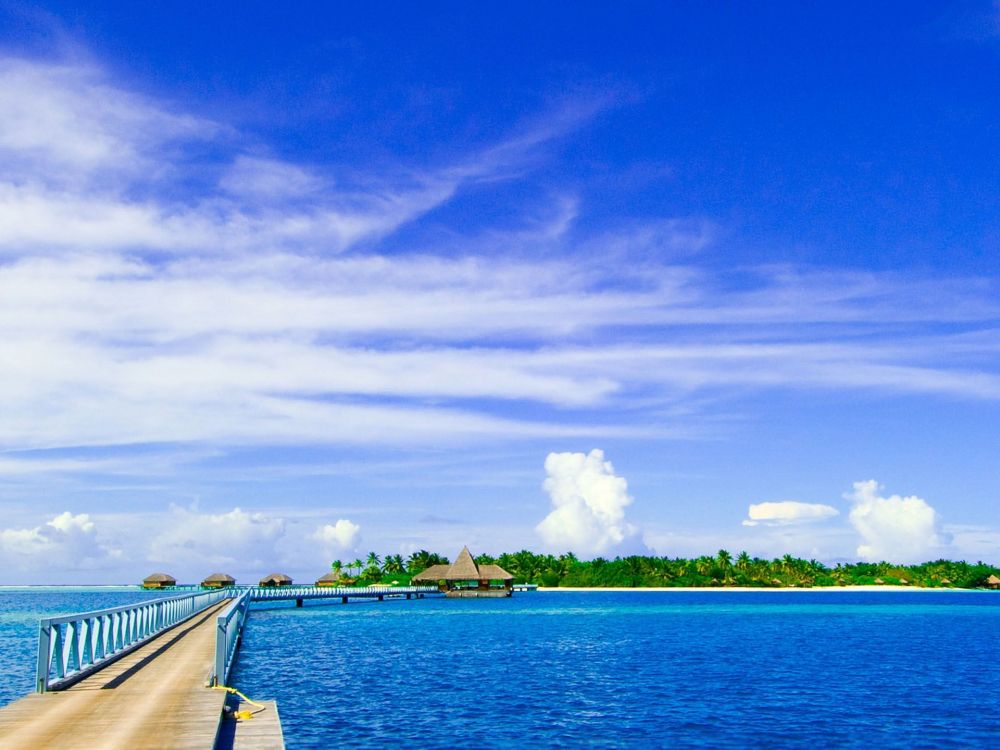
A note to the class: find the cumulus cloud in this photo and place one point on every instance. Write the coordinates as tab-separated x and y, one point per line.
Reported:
341	536
237	538
589	502
787	512
894	528
66	541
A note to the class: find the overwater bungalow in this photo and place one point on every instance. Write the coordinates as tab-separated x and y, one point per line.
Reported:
329	580
276	579
218	581
465	578
993	582
158	581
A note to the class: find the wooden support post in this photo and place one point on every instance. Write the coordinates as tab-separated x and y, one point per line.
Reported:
298	602
343	600
380	597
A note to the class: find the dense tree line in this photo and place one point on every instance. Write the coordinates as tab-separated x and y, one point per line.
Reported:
721	569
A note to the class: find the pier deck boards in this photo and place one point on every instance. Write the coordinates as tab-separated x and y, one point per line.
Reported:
155	697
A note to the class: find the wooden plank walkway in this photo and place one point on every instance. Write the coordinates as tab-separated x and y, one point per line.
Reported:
155	698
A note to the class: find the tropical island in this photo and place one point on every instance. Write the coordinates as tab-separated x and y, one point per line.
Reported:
719	570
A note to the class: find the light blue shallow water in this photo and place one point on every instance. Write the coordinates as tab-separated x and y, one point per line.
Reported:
671	669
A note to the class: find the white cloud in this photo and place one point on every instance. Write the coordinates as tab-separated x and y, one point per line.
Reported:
894	528
192	540
129	316
589	502
342	536
66	541
787	512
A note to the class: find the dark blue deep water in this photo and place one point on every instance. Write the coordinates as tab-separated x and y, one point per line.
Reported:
644	669
673	669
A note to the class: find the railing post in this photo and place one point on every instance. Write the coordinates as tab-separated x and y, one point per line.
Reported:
44	656
221	647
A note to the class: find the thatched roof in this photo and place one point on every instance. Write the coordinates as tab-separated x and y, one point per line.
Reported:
331	577
160	578
879	581
433	574
275	579
219	578
945	582
463	569
494	573
993	580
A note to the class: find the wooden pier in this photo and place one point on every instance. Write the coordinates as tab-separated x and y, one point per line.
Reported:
155	697
152	676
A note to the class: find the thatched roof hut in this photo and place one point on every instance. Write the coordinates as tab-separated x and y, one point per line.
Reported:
879	581
993	582
464	575
494	573
433	574
945	582
158	581
330	579
276	579
218	581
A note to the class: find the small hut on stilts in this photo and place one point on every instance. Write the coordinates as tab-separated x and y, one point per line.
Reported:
159	581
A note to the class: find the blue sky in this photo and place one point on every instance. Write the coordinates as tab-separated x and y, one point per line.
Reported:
284	285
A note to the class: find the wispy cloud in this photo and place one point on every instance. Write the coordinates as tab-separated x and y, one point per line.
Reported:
165	281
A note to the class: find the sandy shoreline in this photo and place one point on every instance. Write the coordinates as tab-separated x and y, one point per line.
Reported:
757	588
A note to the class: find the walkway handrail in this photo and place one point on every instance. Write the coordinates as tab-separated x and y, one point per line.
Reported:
228	631
279	593
74	646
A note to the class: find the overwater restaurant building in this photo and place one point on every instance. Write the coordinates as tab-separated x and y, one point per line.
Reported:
465	578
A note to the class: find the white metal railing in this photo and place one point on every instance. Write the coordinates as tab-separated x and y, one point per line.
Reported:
228	632
73	646
285	593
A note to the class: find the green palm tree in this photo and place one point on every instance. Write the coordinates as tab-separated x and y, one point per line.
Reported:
419	561
743	562
355	565
374	561
393	564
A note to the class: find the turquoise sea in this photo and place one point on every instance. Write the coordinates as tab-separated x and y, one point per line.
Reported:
606	669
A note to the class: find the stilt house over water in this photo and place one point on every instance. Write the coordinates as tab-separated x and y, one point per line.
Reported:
158	581
465	578
218	581
276	579
329	580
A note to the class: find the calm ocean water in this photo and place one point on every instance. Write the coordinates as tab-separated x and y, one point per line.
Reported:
671	669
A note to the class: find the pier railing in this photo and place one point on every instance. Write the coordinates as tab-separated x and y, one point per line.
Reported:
228	631
286	593
73	646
